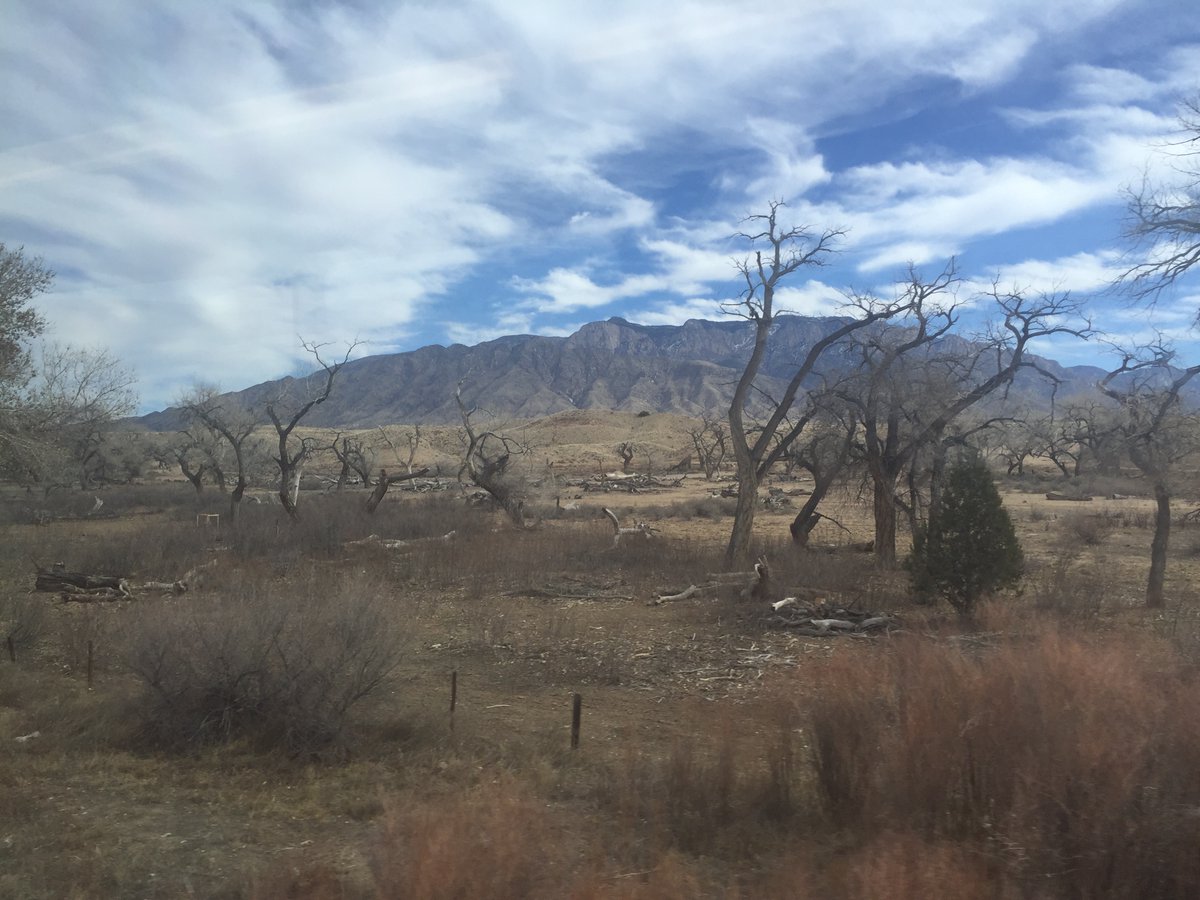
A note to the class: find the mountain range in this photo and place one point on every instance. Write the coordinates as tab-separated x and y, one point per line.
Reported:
614	364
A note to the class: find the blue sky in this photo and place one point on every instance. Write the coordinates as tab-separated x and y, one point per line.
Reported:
210	180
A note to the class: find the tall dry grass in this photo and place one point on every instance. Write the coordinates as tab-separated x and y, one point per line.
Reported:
1069	764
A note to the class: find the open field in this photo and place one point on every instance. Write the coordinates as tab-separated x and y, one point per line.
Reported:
1052	751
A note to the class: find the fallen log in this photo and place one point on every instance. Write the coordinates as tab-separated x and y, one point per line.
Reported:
58	580
1054	495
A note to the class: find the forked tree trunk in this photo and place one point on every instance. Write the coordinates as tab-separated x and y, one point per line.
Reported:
1158	547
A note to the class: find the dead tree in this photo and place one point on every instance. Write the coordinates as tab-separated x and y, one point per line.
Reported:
915	381
385	481
1157	435
486	461
413	443
1164	220
235	425
711	441
824	454
625	450
779	252
354	456
291	462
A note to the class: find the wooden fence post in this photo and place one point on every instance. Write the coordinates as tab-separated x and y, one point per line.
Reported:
576	716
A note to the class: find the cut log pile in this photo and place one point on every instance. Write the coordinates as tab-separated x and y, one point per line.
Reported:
630	484
827	619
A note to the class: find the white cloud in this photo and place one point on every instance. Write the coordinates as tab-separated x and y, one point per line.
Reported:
210	180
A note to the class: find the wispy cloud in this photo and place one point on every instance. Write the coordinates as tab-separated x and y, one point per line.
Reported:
211	180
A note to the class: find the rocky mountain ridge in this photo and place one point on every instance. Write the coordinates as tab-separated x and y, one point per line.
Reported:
613	364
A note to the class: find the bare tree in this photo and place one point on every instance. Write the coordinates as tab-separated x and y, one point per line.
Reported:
626	450
486	460
1157	435
711	440
316	390
1164	219
778	252
75	397
235	425
412	443
354	456
915	380
824	451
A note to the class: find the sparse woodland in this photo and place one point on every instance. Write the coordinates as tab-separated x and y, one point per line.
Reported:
881	633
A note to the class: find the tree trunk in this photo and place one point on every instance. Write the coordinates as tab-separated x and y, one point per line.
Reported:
806	520
738	551
885	521
235	498
287	473
1158	547
808	517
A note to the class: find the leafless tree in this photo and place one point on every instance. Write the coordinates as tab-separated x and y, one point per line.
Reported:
778	251
205	404
1157	435
486	462
312	391
916	379
824	451
354	455
1017	442
412	443
75	397
626	450
711	440
1164	219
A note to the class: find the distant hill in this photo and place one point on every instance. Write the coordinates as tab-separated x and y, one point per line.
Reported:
687	369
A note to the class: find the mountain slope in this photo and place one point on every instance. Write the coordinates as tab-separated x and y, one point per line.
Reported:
615	364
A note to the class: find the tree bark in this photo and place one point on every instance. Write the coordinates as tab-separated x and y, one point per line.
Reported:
885	521
743	520
1158	547
386	481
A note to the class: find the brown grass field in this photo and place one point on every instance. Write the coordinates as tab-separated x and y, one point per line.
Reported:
1049	750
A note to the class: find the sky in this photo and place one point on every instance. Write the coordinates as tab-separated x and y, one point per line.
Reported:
214	182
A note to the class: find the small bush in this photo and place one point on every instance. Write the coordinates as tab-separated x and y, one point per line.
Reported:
22	621
1090	529
283	668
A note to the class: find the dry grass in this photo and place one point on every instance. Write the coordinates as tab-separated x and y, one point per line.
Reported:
1056	758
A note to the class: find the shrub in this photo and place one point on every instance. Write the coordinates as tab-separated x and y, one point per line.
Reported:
1072	765
22	620
282	668
970	547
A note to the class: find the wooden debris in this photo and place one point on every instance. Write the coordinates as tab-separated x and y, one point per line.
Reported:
826	619
755	585
1054	495
74	582
639	528
374	540
631	484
